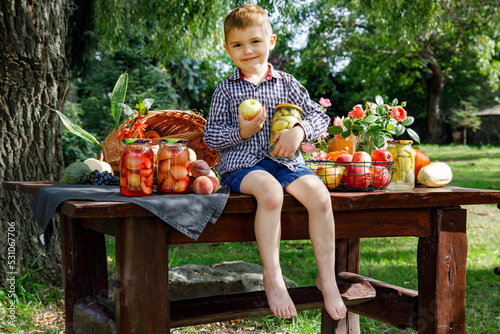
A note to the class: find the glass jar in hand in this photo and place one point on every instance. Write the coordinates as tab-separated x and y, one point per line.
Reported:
136	168
173	167
284	118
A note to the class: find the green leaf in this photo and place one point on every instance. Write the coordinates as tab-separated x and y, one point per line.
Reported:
118	96
413	135
127	111
369	119
335	130
148	103
408	121
77	130
379	100
400	130
394	103
346	133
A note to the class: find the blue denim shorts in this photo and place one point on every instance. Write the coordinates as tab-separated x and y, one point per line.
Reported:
284	175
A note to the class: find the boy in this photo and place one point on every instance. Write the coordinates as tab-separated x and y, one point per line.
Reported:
247	167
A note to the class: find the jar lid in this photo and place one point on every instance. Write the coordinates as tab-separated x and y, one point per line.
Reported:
289	105
173	141
403	142
137	141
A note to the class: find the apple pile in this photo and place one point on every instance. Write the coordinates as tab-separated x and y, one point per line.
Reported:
358	171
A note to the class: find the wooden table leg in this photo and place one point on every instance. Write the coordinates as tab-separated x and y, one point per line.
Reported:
346	259
141	289
442	261
83	263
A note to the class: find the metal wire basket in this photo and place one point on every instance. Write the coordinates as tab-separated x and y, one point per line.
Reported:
353	176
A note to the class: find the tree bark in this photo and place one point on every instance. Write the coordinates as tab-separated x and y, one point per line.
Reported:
34	79
435	85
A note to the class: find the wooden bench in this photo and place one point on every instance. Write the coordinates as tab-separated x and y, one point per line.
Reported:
142	305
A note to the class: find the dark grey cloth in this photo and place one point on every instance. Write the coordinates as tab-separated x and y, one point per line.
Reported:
188	213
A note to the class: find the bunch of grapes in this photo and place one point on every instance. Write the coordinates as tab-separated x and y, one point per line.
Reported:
103	179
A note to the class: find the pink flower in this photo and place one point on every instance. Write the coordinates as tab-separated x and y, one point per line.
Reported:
308	148
325	102
325	134
337	121
319	156
398	113
357	111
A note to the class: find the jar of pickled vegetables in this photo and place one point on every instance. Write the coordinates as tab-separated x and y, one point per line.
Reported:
285	117
136	168
173	167
403	177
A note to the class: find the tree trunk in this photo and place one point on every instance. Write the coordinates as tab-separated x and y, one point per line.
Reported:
34	78
435	85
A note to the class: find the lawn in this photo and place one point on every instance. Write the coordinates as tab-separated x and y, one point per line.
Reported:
391	260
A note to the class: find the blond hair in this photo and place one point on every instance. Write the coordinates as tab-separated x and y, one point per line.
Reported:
246	16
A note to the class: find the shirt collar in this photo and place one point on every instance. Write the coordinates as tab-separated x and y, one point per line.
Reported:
270	74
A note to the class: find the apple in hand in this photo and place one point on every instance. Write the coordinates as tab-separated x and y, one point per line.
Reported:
361	156
382	157
249	108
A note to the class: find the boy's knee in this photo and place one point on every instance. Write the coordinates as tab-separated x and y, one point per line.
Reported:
271	196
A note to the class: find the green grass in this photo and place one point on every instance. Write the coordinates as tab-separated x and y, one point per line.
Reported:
391	260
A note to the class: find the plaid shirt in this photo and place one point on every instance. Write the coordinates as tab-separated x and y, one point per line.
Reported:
222	128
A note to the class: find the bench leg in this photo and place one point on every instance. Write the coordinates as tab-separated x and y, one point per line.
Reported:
141	289
442	261
83	264
346	259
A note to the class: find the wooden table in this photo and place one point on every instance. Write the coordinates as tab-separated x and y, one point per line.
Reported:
142	302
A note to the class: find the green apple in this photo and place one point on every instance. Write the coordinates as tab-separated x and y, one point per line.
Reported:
249	108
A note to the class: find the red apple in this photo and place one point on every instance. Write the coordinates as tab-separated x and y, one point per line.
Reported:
357	176
382	157
343	160
361	156
381	177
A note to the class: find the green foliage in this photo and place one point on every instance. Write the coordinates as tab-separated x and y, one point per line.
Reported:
465	117
76	148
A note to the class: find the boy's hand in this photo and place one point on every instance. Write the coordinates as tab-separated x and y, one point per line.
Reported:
287	141
251	127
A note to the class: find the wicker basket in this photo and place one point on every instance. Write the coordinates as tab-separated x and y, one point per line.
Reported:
168	124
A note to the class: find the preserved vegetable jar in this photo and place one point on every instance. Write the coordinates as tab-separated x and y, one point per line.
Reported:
403	155
136	168
285	117
173	167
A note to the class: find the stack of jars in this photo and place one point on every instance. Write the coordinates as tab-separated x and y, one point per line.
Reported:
138	172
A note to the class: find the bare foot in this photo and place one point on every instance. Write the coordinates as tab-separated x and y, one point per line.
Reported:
279	300
334	304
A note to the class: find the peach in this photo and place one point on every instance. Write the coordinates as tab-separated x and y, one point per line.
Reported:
146	172
132	162
203	185
181	185
200	168
181	158
215	182
134	180
148	180
168	183
161	176
192	154
164	166
123	182
145	189
178	172
146	162
165	154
